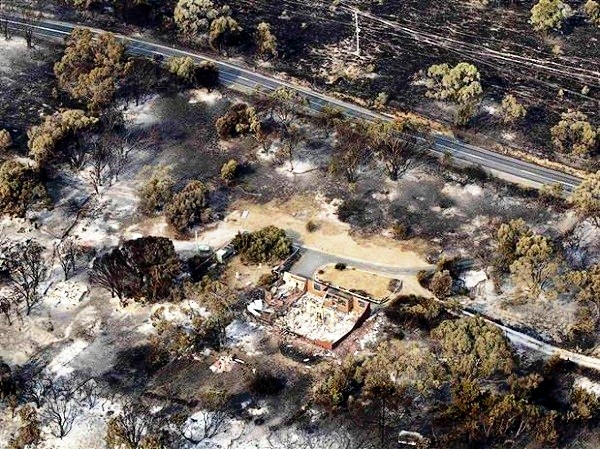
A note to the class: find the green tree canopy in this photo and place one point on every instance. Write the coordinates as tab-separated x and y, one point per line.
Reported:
459	84
229	171
265	245
183	67
5	140
536	265
549	14
239	120
397	144
586	198
334	383
485	416
156	190
511	110
205	74
44	138
222	29
592	10
187	207
286	103
586	284
507	237
400	367
194	17
266	42
574	134
92	69
20	188
474	349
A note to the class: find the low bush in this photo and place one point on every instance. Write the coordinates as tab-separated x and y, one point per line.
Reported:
400	230
237	121
229	171
311	226
340	266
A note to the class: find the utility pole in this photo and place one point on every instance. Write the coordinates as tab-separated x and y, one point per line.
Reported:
357	32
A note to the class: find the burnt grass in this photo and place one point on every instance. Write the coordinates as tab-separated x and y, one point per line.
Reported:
402	53
26	91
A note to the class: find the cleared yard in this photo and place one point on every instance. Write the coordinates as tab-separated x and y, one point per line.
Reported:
354	279
240	276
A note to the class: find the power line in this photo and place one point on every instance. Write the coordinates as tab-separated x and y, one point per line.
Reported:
478	53
449	43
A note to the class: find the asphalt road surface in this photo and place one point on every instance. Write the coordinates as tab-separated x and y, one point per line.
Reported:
313	259
237	77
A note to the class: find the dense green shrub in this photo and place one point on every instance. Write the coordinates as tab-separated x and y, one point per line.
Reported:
265	245
229	171
156	190
186	208
237	121
20	187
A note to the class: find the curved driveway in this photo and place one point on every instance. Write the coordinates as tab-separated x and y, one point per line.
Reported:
313	259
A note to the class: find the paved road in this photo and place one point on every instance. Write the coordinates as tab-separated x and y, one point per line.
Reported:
237	77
